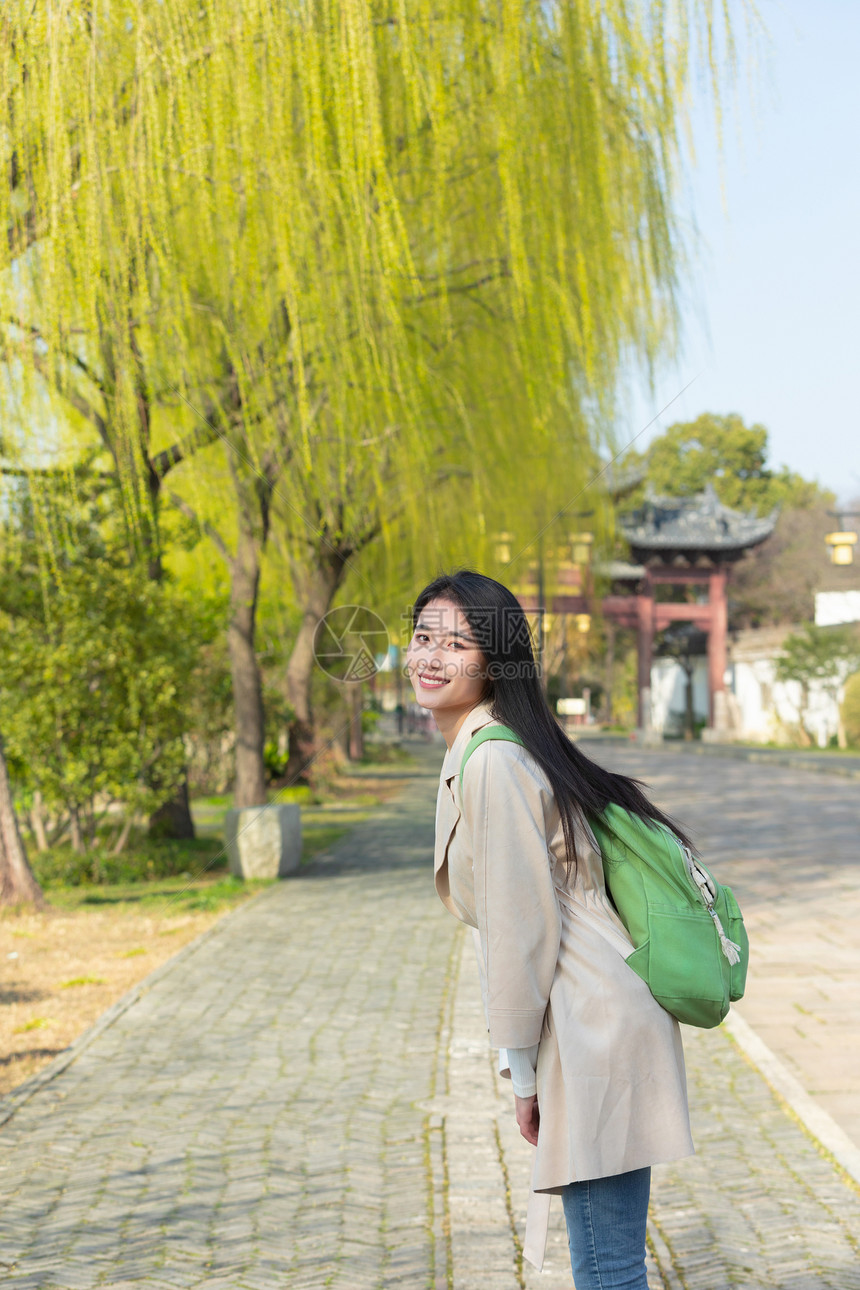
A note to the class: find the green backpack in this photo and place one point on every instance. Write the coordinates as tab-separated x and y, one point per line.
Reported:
690	944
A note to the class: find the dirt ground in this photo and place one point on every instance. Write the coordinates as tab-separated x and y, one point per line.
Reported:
62	967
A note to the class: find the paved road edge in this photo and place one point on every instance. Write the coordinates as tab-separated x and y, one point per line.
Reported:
814	1119
836	764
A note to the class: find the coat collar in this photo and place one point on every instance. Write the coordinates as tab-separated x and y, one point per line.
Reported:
479	716
448	807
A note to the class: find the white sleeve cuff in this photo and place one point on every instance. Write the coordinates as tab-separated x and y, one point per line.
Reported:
521	1062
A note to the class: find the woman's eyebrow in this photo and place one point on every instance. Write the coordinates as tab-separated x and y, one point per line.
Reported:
427	628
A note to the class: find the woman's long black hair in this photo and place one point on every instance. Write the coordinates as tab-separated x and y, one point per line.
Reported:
582	789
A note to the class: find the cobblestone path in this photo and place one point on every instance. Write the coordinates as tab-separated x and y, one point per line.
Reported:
251	1121
787	842
759	1205
307	1100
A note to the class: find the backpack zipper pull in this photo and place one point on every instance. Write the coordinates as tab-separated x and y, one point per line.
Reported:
731	951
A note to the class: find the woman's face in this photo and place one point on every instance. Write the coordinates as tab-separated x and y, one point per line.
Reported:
445	666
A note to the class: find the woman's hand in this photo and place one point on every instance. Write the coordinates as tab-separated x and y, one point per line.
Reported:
528	1118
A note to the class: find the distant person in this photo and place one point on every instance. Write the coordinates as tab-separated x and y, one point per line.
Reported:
596	1064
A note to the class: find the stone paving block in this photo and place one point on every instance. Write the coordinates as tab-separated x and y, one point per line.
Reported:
338	1122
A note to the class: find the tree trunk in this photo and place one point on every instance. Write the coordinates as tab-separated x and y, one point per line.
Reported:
805	737
17	883
38	823
690	715
173	818
841	736
119	846
316	588
250	789
77	836
302	736
356	732
609	674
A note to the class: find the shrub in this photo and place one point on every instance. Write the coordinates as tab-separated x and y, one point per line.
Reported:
93	690
146	862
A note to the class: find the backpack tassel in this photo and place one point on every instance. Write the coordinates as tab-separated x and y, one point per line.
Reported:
729	948
731	951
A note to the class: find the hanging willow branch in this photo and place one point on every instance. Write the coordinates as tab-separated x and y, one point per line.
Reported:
393	256
437	218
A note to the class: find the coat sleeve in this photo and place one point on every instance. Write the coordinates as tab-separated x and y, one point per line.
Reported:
506	802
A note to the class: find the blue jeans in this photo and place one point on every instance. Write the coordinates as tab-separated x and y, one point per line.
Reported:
606	1230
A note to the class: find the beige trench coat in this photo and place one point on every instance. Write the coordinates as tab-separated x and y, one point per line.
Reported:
610	1070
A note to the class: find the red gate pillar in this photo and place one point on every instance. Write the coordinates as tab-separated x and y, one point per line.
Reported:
645	649
717	639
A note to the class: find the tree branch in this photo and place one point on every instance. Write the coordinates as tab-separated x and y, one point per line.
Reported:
76	400
70	355
165	460
465	288
204	526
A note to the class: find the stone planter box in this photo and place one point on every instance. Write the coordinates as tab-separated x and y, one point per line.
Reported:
264	841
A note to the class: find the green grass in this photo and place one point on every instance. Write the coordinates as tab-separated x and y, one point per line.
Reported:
218	802
318	837
178	895
195	889
221	802
209	812
380	754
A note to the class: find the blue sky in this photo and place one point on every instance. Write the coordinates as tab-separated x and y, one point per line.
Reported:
771	321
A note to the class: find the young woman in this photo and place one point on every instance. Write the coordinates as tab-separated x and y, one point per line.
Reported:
596	1064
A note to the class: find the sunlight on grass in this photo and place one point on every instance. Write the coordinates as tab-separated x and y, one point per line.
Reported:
37	1023
169	896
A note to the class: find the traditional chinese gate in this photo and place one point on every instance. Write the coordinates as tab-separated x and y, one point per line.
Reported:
674	542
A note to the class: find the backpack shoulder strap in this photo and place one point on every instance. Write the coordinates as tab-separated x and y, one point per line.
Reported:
488	732
621	833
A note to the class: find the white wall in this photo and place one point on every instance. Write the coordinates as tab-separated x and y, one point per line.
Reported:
834	607
668	694
764	706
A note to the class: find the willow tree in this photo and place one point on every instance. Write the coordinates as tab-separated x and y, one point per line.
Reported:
368	246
